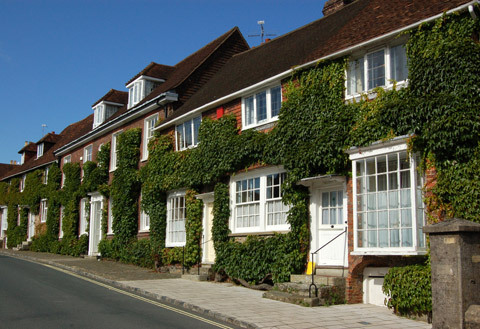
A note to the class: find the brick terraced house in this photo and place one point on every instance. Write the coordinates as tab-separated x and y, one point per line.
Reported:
370	217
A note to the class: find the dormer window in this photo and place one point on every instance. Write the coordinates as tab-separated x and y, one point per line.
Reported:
103	111
141	88
39	150
22	159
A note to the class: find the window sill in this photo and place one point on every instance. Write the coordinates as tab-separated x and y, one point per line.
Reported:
144	231
173	245
263	125
266	233
410	252
372	94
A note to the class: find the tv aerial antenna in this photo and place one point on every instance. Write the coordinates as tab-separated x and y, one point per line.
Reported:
43	129
262	32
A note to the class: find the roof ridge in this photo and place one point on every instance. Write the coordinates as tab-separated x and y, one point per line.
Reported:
224	36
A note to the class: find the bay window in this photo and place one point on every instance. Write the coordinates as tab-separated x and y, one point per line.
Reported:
257	204
388	206
262	107
379	68
176	214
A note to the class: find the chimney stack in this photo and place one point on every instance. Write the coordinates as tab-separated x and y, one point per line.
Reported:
332	6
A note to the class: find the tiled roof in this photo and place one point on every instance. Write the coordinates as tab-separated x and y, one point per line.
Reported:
5	168
183	70
49	138
29	147
355	23
73	131
154	70
114	96
186	67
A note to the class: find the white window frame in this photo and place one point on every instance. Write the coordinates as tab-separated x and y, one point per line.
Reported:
43	210
22	158
22	182
263	225
173	212
60	226
181	129
83	217
88	153
66	159
270	117
110	217
113	154
98	115
45	175
363	59
148	125
40	148
416	181
144	219
137	89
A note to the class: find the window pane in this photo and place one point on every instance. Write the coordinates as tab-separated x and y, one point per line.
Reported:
406	237
249	110
355	77
180	137
370	166
188	133
394	238
325	217
261	102
360	168
361	221
276	100
196	127
398	63
376	69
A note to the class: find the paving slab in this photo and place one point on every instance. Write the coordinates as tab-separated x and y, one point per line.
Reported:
225	301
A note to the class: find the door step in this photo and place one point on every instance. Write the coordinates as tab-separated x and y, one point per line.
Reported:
331	290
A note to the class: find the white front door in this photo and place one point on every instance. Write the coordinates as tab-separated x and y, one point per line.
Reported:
4	223
31	226
95	235
331	223
208	249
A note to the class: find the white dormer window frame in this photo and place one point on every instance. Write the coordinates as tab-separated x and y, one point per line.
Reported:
104	110
22	158
40	148
140	88
148	126
186	133
380	67
262	107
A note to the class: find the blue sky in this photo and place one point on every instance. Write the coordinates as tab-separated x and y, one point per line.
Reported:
58	57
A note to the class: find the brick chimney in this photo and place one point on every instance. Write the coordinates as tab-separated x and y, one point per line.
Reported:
332	6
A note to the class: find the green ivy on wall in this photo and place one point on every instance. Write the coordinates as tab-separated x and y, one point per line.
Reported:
125	189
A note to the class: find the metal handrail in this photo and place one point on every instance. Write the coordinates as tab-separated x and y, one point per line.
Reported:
313	270
198	264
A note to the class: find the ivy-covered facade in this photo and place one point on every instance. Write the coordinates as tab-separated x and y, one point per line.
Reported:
335	140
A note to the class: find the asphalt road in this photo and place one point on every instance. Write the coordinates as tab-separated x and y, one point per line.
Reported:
38	296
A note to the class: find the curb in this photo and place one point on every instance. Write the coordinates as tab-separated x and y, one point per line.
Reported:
142	292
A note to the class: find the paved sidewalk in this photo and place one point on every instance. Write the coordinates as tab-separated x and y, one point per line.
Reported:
237	305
